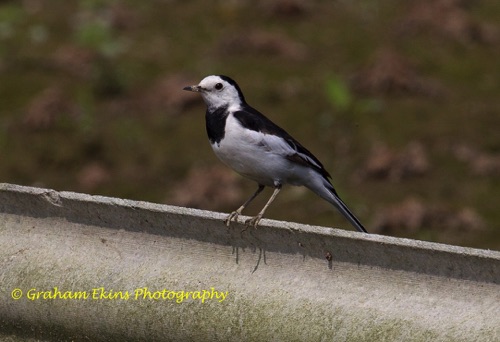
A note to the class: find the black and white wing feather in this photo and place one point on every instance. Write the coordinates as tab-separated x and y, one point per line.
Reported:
278	139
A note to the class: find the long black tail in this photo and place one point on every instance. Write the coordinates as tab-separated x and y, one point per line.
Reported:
323	188
342	207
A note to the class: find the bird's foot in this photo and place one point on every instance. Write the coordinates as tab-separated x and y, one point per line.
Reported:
254	221
232	217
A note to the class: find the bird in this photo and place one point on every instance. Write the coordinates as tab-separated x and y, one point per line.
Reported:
256	148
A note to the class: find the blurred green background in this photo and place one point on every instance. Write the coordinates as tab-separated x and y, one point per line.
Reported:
399	100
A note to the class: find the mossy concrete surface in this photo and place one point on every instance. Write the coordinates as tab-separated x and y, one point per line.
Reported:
78	267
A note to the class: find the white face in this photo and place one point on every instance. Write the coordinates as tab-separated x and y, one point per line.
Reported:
217	92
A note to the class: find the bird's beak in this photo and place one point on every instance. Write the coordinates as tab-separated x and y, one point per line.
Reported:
195	88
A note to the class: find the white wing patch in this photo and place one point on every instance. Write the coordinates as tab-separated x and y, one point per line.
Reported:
285	148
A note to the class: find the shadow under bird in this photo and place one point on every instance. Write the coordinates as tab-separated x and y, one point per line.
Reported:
256	148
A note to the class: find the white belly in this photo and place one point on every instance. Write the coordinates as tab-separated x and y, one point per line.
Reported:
259	159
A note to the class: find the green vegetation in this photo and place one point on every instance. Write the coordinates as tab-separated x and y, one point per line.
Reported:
90	101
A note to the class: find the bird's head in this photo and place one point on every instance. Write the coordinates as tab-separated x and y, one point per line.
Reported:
219	91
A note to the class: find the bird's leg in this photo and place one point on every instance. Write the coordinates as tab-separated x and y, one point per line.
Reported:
234	215
255	220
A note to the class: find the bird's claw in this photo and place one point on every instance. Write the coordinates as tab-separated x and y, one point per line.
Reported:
254	221
231	217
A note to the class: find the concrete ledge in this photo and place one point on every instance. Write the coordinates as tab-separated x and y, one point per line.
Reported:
278	281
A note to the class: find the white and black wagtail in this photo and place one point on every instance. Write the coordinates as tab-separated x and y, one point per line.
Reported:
255	147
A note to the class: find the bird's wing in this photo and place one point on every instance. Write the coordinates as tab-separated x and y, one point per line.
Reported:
278	140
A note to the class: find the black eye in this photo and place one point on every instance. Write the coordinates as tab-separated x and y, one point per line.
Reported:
218	86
